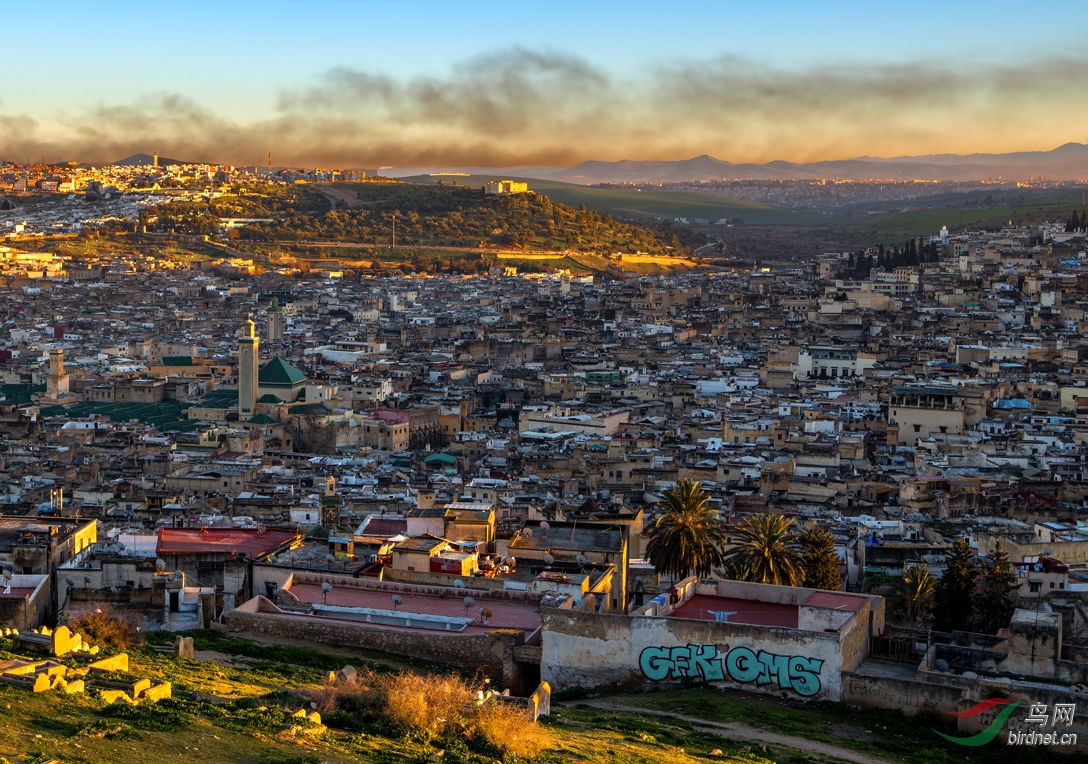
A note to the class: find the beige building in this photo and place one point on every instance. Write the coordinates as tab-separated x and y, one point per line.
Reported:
921	412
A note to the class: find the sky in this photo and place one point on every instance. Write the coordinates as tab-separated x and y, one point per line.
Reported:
357	84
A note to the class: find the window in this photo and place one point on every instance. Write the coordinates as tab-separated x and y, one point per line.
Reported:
917	428
1035	586
1051	584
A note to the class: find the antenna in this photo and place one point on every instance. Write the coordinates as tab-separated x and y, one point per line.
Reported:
86	580
330	558
458	584
581	559
469	603
397	601
326	587
528	533
548	559
70	582
160	564
545	526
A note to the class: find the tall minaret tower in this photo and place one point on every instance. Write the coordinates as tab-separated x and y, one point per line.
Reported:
248	362
56	382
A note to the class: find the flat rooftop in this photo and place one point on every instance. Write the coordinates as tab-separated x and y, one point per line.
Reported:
505	614
704	607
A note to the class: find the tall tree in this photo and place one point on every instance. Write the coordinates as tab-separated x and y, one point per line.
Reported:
954	599
687	537
914	593
820	560
767	547
997	595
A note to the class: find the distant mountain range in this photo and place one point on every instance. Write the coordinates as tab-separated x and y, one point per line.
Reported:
1068	162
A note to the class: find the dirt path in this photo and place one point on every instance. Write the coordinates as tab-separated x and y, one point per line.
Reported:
742	731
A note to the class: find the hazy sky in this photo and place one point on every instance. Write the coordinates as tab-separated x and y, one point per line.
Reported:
359	84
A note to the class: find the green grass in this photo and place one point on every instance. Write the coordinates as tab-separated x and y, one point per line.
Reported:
928	222
621	202
884	734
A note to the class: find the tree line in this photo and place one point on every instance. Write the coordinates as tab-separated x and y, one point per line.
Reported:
689	538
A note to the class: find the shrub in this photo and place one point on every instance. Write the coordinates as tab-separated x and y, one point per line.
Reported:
430	705
106	627
508	728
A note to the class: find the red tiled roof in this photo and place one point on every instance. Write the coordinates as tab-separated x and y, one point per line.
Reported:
243	542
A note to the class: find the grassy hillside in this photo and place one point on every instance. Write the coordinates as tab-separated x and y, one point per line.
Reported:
928	222
460	217
622	202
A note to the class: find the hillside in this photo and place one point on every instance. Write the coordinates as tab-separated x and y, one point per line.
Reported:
625	203
459	217
238	702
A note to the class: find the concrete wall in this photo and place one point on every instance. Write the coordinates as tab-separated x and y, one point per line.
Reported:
605	652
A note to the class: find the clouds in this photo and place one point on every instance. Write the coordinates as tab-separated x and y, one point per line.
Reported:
524	106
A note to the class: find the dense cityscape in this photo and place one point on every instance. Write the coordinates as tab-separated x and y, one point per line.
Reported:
565	385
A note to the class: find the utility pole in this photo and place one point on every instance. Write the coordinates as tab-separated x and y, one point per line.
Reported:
394	231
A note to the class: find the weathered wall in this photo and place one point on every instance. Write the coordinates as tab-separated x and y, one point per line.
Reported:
615	652
491	653
909	696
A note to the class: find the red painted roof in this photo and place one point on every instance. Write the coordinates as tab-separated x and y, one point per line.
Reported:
703	607
244	542
834	601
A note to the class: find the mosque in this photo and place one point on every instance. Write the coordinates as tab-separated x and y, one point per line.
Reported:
275	383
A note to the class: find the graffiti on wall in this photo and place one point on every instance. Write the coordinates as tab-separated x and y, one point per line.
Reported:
741	664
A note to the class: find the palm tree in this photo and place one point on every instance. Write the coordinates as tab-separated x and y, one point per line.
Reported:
768	549
914	593
687	537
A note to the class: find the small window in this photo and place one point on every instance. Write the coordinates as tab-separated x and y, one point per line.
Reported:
917	428
1035	586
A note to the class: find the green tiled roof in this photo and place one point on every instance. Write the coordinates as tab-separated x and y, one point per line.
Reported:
177	360
269	398
279	372
307	408
261	419
19	394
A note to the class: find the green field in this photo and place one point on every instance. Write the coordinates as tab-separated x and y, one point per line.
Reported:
620	202
928	222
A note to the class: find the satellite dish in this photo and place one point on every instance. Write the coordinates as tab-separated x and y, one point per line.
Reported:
160	564
581	559
1047	552
528	533
469	602
326	587
70	582
545	526
114	589
120	546
458	584
397	601
548	559
512	562
86	580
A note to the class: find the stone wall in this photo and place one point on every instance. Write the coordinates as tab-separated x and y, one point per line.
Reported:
492	653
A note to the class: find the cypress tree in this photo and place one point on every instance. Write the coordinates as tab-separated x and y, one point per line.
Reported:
997	598
954	601
820	560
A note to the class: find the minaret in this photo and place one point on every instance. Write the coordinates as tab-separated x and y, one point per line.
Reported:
155	160
248	362
56	382
275	321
